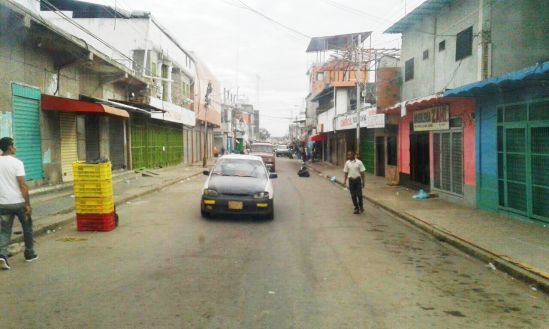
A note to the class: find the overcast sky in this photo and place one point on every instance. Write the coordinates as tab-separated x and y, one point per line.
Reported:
246	50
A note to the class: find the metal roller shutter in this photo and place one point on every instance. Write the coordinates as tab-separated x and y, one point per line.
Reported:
69	150
117	142
26	129
92	138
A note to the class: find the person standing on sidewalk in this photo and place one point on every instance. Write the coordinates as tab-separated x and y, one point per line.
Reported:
354	170
14	201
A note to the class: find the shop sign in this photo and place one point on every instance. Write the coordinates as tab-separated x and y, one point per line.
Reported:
434	118
368	119
373	119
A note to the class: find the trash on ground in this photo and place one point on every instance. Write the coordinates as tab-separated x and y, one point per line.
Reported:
333	179
271	292
534	288
421	195
303	172
491	266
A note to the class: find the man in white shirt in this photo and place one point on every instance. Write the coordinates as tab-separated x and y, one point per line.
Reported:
354	170
14	201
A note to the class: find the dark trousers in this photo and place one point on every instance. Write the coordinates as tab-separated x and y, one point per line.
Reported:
355	187
6	223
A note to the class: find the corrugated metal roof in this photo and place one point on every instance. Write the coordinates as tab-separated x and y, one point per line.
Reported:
511	79
427	8
334	42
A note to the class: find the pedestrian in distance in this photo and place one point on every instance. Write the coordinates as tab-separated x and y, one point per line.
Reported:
354	170
14	201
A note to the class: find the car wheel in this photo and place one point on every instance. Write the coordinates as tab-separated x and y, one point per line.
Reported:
204	213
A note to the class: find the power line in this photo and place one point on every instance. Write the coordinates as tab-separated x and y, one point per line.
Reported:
354	11
255	11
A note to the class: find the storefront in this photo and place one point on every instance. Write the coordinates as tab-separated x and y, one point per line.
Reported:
436	147
80	130
512	115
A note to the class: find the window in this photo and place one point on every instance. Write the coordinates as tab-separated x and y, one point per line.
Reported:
320	76
442	45
425	54
391	150
409	69
464	43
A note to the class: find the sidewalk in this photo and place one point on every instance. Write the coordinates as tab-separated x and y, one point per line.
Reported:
53	206
518	247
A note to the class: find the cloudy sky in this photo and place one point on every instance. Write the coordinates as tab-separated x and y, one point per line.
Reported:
266	61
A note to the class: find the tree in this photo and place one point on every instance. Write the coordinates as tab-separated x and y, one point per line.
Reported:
264	134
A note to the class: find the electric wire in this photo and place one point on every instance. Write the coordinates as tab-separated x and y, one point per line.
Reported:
257	12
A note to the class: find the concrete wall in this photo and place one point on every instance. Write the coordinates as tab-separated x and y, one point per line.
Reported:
440	70
517	30
519	34
342	101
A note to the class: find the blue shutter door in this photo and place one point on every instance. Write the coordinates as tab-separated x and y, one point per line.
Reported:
26	129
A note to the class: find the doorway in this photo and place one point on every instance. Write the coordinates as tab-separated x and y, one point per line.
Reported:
419	160
380	156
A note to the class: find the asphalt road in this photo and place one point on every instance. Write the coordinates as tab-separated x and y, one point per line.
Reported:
315	266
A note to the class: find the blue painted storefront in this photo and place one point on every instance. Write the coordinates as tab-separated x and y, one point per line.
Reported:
527	90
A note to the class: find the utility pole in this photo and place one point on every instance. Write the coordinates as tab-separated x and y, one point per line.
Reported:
206	105
359	51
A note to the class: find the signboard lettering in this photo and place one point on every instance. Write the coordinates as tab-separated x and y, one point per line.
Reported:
434	118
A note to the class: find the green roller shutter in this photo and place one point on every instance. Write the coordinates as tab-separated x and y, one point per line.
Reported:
367	149
155	144
26	129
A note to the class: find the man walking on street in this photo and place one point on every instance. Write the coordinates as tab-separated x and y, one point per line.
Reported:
14	201
354	170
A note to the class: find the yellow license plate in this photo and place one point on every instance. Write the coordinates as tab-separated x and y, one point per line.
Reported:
236	205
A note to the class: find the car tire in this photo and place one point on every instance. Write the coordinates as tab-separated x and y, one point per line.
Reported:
205	214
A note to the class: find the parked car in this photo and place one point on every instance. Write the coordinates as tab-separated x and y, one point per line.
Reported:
266	152
283	150
238	184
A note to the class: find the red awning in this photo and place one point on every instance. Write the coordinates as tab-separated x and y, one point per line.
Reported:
317	138
53	103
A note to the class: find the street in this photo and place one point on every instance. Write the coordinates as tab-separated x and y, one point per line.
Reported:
316	265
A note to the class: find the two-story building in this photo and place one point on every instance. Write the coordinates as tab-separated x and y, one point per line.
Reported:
175	94
443	141
54	92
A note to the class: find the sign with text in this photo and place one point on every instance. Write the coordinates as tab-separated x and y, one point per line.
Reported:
368	119
434	118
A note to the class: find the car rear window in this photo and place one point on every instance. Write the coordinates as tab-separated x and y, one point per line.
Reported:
240	168
262	148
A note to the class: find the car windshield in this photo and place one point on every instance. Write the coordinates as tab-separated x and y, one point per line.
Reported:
240	168
262	148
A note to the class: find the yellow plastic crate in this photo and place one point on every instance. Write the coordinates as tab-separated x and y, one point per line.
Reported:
87	171
93	189
94	205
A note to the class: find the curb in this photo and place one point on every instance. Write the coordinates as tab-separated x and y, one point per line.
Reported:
507	265
67	219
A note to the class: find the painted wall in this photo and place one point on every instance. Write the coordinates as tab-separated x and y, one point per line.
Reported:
404	144
513	27
486	144
342	101
440	70
463	108
327	120
518	26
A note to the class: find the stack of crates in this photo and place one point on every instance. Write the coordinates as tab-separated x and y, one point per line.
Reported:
93	196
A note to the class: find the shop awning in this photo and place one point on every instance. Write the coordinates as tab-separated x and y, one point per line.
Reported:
53	103
515	79
317	138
